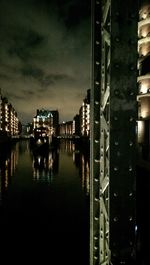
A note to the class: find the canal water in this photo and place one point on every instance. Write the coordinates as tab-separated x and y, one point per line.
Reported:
44	205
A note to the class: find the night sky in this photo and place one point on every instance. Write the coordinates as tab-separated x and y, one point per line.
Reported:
45	54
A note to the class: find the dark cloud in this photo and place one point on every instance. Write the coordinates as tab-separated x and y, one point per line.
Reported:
23	43
30	71
45	54
28	93
16	97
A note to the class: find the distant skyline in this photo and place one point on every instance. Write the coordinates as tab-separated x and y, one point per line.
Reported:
45	54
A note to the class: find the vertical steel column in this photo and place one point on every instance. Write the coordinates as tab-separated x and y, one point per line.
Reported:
95	134
105	133
113	132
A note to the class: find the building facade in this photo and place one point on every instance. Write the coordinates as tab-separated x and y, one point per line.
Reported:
47	119
66	129
9	122
84	114
143	78
76	125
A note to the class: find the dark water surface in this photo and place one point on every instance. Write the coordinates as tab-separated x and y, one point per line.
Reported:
44	205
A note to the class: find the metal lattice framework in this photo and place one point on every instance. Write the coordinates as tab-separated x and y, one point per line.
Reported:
113	132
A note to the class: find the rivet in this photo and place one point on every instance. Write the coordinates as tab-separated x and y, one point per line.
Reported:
116	92
131	93
96	160
117	39
130	143
130	168
131	67
131	119
115	168
96	180
115	219
130	218
132	41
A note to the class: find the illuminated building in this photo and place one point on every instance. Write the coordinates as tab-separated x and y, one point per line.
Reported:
66	128
84	114
144	74
48	120
76	125
9	121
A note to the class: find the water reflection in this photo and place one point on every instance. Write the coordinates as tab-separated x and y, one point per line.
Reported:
45	165
80	157
8	163
85	173
44	200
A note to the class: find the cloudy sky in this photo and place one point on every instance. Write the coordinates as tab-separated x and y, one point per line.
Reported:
45	55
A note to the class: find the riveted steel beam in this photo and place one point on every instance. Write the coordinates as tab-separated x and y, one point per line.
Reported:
113	129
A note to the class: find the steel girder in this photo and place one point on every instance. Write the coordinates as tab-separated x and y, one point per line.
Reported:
113	132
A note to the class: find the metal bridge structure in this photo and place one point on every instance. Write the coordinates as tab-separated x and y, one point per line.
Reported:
113	132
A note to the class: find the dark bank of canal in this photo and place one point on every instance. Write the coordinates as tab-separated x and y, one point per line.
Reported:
44	205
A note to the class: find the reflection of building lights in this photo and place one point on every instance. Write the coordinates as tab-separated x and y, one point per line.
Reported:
39	141
73	156
83	171
39	159
87	178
